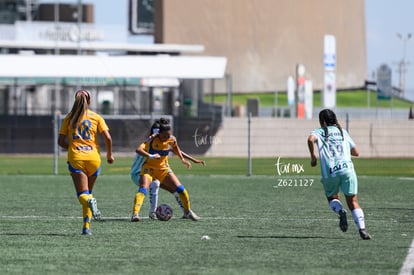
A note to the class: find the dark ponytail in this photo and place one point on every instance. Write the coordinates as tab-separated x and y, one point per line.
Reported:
328	118
164	125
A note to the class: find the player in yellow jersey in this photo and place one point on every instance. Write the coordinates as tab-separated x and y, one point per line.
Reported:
155	184
78	134
156	151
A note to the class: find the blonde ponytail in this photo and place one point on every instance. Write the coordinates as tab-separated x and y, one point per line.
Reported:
79	108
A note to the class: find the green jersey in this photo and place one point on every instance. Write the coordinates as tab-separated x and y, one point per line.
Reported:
334	152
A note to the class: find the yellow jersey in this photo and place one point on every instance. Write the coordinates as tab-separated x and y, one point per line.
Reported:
157	146
83	139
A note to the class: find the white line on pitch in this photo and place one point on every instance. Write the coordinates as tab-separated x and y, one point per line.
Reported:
127	218
178	217
408	265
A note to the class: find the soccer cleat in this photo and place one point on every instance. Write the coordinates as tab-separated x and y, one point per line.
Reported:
153	216
96	214
343	223
191	215
86	231
135	218
364	234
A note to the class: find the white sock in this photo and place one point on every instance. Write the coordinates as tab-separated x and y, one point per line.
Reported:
153	192
335	205
359	219
177	198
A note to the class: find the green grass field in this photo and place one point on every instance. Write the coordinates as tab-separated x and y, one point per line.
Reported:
256	225
43	165
357	99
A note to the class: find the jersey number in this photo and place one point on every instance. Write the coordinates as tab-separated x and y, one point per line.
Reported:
83	130
335	150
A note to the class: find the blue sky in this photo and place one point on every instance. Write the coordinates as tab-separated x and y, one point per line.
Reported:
384	19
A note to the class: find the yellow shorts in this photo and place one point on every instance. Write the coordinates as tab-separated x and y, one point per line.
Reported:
152	173
89	167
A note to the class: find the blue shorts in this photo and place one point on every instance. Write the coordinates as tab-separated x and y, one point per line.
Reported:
89	167
348	184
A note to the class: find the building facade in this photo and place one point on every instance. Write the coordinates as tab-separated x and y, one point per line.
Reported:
265	39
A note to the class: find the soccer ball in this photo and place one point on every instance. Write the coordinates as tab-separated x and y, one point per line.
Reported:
164	212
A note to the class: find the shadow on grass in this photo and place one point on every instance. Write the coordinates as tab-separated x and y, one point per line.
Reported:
36	234
115	220
284	237
395	208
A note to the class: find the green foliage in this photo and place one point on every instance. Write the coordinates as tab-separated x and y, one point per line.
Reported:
356	99
255	228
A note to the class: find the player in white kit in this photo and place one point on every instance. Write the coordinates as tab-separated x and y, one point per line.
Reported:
335	148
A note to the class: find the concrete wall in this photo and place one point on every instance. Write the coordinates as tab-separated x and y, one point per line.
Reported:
265	39
284	137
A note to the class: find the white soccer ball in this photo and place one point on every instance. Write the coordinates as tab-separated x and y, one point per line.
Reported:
164	212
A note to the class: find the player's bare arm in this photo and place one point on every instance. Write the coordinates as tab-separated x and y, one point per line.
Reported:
62	141
108	142
179	153
311	146
193	159
355	151
141	150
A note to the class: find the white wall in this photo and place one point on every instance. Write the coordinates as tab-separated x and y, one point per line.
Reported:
285	137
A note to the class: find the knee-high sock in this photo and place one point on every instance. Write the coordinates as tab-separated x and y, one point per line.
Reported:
86	211
184	197
153	192
359	219
177	198
335	205
139	199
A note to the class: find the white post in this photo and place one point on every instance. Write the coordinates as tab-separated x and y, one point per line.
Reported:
79	23
29	10
329	61
56	118
57	52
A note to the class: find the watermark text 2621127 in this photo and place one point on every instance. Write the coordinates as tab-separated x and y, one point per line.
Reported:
284	169
294	182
